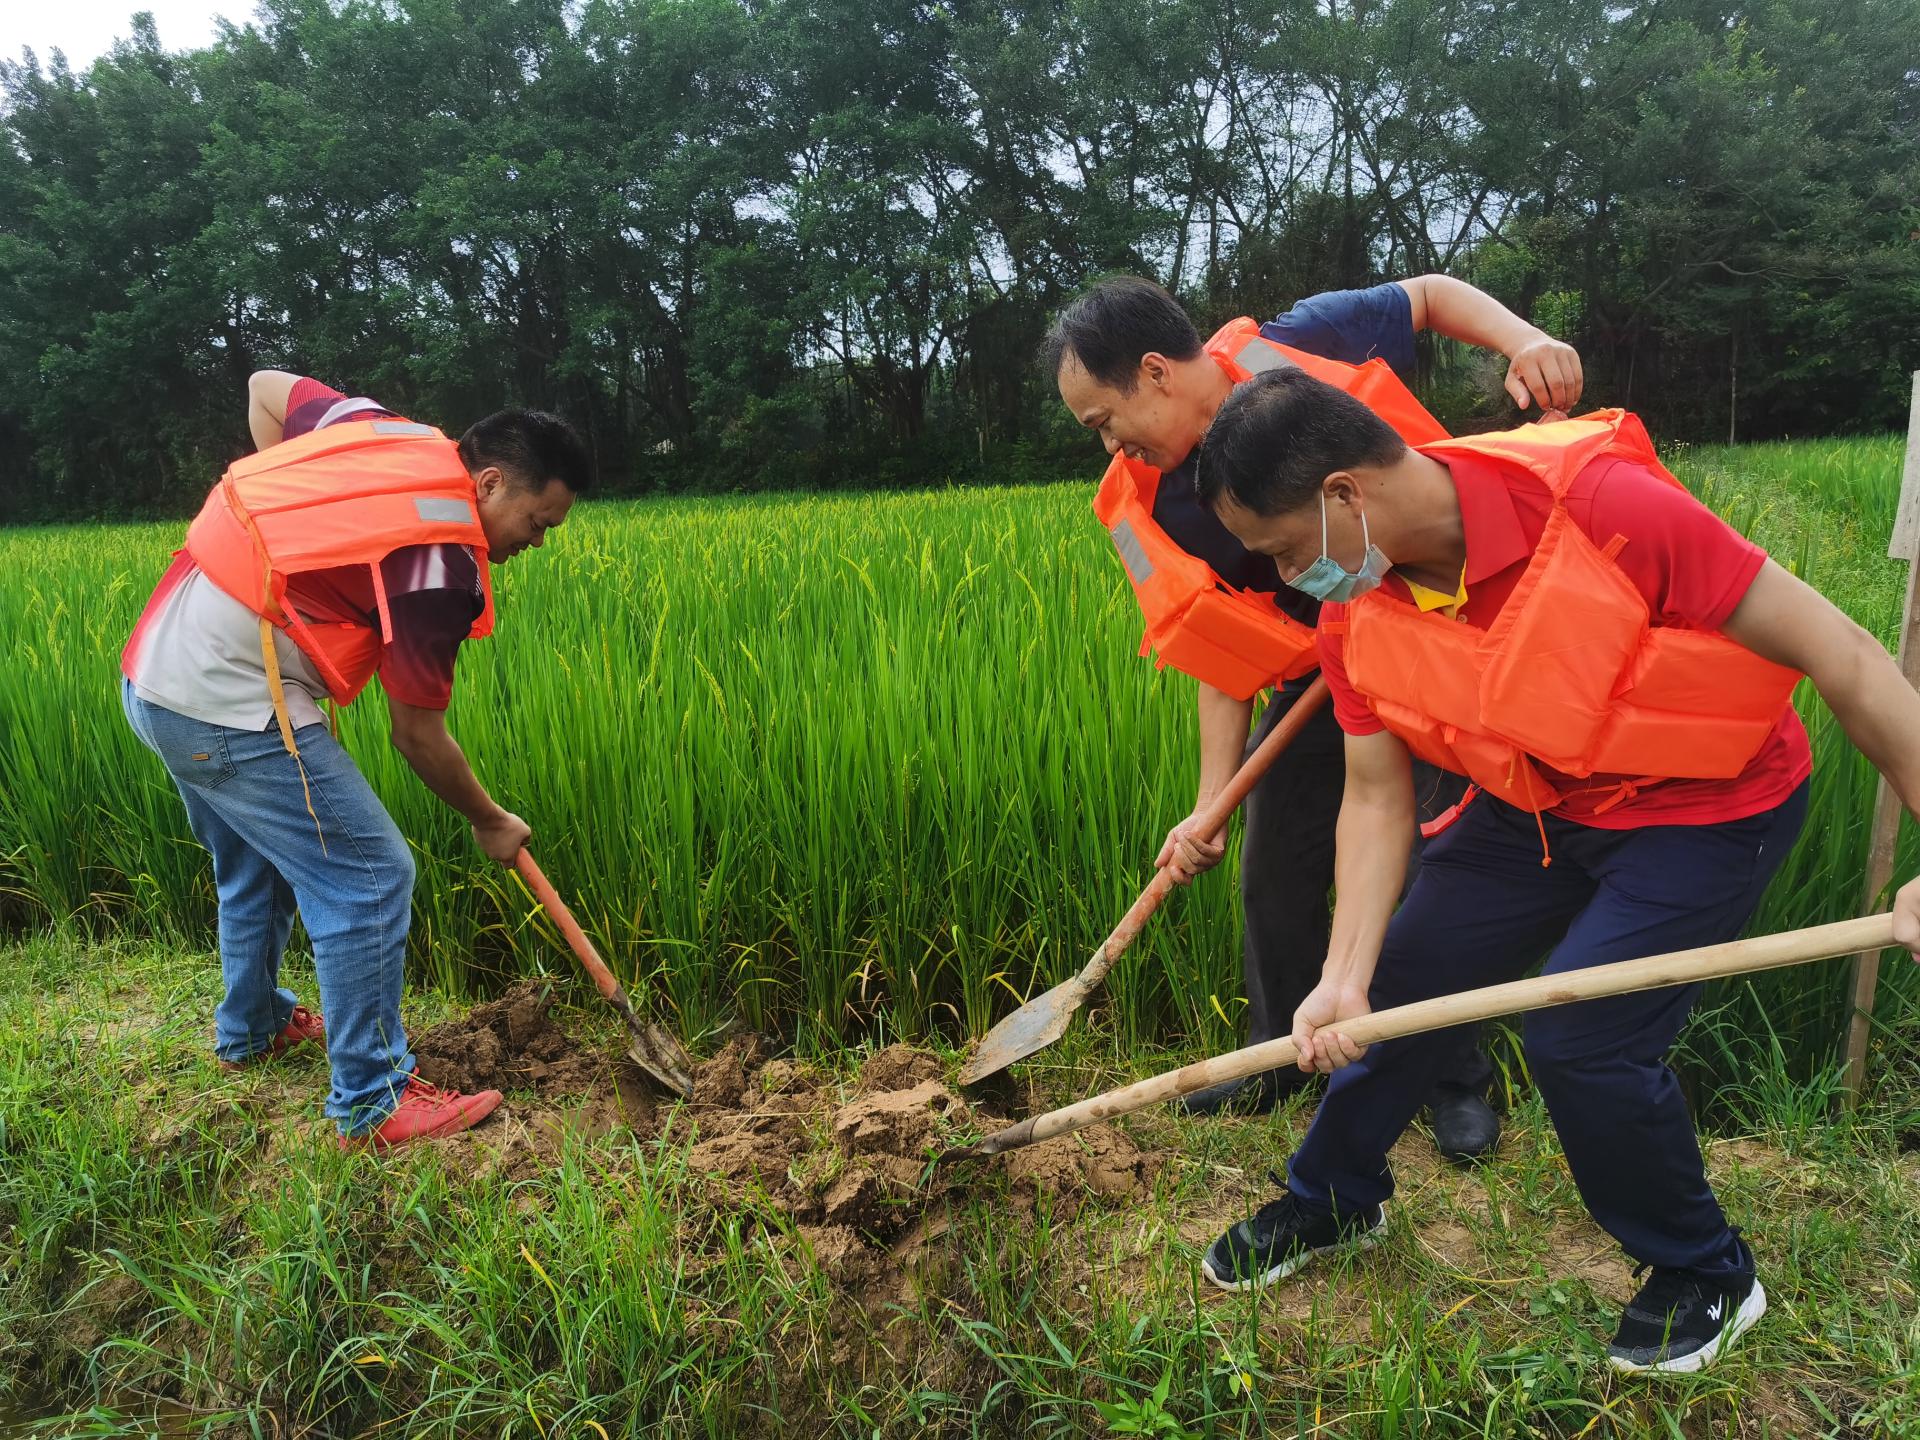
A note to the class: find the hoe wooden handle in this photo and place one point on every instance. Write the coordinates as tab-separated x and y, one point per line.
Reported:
1252	770
556	908
1681	967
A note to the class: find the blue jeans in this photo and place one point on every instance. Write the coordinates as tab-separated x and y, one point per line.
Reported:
243	798
1483	911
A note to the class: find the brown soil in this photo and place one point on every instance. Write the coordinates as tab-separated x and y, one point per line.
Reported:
852	1173
1100	1162
507	1044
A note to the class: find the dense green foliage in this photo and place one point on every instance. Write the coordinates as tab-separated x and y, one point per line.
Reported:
838	765
752	242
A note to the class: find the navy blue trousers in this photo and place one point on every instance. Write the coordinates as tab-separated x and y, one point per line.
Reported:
1483	911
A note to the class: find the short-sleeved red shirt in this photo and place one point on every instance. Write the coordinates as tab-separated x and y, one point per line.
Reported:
1692	567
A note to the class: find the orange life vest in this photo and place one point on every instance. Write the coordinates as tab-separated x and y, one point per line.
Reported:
1237	641
1571	673
349	494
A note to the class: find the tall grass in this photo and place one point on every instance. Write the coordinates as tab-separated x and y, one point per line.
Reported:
834	765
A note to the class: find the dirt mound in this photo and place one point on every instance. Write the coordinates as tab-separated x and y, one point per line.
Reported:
509	1044
1098	1162
759	1126
853	1174
513	1044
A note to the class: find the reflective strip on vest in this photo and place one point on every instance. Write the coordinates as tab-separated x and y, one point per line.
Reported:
340	409
1257	356
1132	554
430	510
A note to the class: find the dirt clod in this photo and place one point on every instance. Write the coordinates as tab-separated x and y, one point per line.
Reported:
898	1067
509	1044
894	1123
722	1081
1099	1163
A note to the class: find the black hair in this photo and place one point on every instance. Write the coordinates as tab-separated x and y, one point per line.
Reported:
532	448
1277	438
1112	325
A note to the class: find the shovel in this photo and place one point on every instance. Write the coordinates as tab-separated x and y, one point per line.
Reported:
1044	1019
1655	972
651	1048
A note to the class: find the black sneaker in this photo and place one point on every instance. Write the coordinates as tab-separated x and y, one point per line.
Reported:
1281	1237
1465	1129
1681	1321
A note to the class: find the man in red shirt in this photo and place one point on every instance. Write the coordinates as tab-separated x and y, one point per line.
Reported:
1639	865
306	832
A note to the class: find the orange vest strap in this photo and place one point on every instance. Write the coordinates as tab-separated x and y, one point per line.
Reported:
380	602
271	659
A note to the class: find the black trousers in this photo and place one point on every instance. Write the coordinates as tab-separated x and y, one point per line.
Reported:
1286	874
1485	911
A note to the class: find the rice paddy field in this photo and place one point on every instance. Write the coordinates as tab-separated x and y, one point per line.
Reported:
846	767
834	783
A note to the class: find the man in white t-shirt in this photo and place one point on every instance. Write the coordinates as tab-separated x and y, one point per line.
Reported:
197	692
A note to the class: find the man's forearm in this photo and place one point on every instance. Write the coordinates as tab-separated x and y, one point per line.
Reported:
1224	723
1373	838
1787	621
1878	710
1462	312
442	766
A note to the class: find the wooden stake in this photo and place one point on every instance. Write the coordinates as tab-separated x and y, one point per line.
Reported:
1904	544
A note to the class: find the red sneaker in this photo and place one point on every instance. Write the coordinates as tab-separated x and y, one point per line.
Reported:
425	1112
304	1028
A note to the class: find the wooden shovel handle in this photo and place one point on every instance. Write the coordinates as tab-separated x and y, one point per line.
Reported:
1681	967
1250	774
1254	769
557	910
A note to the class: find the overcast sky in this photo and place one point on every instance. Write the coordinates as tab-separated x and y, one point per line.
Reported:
86	28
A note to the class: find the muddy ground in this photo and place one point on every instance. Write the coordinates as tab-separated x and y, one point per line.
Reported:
831	1172
851	1167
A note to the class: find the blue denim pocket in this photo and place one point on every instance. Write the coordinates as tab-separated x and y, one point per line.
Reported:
210	763
194	751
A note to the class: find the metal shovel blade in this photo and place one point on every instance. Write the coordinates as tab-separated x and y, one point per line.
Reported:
660	1055
1034	1026
652	1048
1044	1019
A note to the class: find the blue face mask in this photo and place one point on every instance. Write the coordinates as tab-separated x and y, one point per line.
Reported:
1327	579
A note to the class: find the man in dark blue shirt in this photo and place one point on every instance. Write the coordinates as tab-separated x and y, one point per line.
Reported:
1131	367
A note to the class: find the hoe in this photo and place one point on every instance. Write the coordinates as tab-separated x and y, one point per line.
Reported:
1655	972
